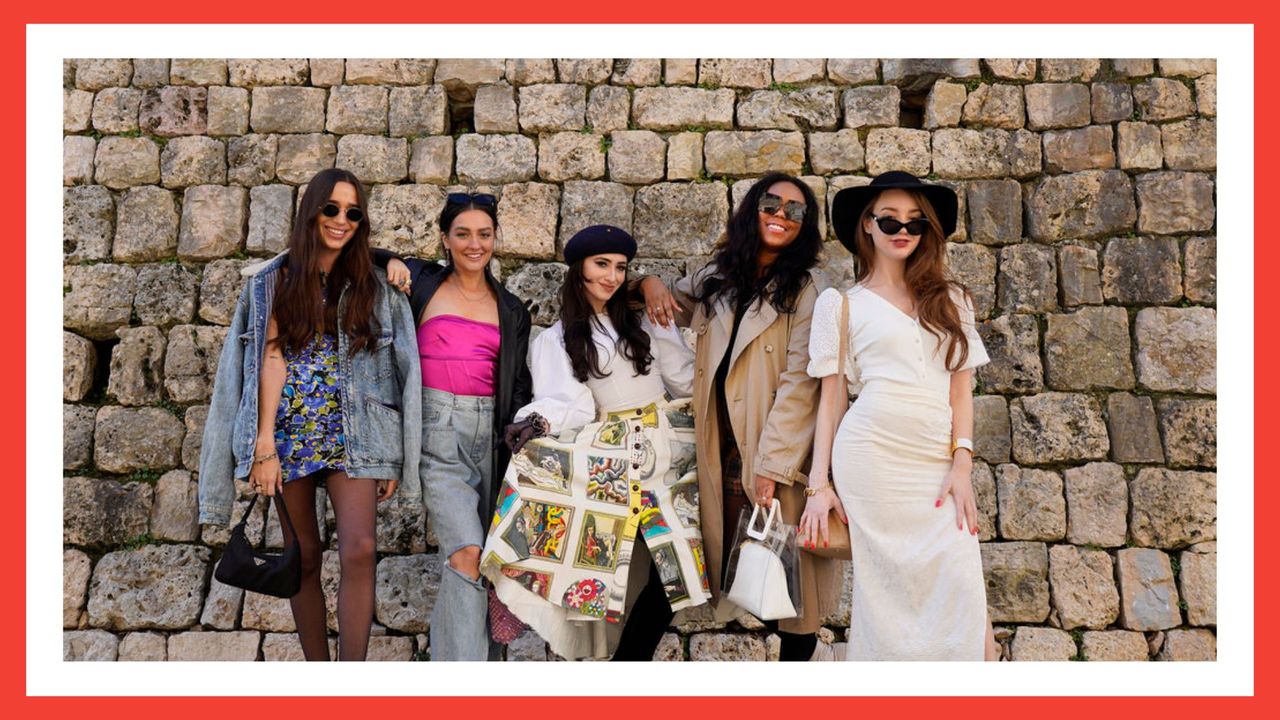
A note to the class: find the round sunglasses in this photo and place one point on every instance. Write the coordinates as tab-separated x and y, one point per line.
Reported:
891	226
353	214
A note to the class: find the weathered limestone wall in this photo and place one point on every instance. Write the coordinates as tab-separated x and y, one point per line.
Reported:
1087	237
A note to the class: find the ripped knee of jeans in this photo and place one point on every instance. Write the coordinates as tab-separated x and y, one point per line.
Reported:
466	562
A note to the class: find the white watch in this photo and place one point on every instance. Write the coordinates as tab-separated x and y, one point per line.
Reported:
958	443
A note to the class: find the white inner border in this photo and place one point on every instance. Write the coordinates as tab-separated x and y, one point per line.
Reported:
1233	672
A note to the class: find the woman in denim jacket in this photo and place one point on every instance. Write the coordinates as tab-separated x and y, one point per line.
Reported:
327	348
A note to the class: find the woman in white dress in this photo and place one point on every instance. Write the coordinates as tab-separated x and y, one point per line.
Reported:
613	465
902	455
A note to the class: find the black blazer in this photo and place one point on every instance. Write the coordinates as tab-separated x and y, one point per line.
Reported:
515	385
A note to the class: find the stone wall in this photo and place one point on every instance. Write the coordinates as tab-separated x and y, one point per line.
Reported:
1087	237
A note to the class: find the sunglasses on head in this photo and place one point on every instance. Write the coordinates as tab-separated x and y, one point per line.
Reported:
891	226
354	214
792	210
480	199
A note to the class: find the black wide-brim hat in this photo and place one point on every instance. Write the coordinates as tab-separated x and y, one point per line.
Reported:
598	240
850	202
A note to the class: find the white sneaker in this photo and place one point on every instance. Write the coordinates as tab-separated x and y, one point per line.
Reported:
828	652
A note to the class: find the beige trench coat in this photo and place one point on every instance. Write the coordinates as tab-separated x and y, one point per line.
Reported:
773	405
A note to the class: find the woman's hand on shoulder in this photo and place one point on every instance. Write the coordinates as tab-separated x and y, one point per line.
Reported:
659	303
398	275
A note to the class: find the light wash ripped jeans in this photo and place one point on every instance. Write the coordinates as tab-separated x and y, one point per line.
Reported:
457	474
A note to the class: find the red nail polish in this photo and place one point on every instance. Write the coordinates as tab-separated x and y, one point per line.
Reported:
938	504
826	544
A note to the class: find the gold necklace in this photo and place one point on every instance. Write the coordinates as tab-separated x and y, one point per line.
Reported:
458	286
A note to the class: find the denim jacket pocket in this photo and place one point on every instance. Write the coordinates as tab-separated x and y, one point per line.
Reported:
382	358
384	440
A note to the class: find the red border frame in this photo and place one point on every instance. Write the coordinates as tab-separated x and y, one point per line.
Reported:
13	364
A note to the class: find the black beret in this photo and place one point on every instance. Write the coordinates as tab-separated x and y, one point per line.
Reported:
598	240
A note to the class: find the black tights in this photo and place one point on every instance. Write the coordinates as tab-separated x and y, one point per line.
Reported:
355	507
648	619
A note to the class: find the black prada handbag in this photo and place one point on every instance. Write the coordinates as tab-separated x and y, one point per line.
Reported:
244	567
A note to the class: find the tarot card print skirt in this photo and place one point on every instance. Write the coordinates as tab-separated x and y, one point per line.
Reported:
559	548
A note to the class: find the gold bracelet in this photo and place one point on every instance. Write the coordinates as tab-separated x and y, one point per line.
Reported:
265	458
810	491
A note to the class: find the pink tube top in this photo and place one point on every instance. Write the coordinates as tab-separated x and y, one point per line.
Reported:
458	355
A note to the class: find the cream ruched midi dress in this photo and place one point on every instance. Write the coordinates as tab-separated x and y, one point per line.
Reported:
918	591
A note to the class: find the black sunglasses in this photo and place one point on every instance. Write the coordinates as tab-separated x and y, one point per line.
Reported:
891	226
792	210
480	199
354	214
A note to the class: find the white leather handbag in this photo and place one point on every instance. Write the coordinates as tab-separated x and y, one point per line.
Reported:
760	582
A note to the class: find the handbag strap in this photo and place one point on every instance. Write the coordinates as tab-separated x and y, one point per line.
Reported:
769	521
844	334
281	507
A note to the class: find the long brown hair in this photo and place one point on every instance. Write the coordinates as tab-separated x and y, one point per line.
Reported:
927	278
297	308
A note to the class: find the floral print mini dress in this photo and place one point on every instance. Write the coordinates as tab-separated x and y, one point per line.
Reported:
309	435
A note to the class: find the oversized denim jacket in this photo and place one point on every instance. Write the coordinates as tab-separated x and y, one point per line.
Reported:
380	392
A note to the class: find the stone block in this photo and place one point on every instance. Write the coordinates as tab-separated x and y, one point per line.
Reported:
1042	644
193	160
1190	431
88	223
147	225
248	73
1080	205
1097	498
1031	504
144	646
213	222
1133	67
1111	102
431	160
100	299
991	153
1114	645
994	211
421	110
240	646
270	218
1017	578
1148	598
608	108
701	210
1207	95
300	157
98	74
1089	349
89	646
1198	586
1013	344
726	647
222	607
1138	146
499	159
850	71
1177	349
552	107
636	71
1190	144
150	72
136	363
191	362
75	583
538	284
995	106
405	218
374	159
1079	281
917	75
1083	585
583	204
567	156
1131	421
158	587
228	109
1163	99
387	71
193	421
748	73
1188	68
77	435
754	153
1088	148
1057	427
871	106
679	108
121	162
1174	202
128	439
974	267
637	157
174	111
1142	271
1057	105
684	156
991	428
584	71
680	71
799	70
495	109
1028	279
77	110
197	71
286	109
1061	70
406	591
78	159
527	215
1200	270
251	159
174	515
1012	68
1189	645
115	110
945	104
220	287
327	72
356	109
898	149
461	76
1173	508
264	612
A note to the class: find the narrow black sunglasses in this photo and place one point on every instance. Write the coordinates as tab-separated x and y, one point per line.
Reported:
481	199
792	210
891	226
354	214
